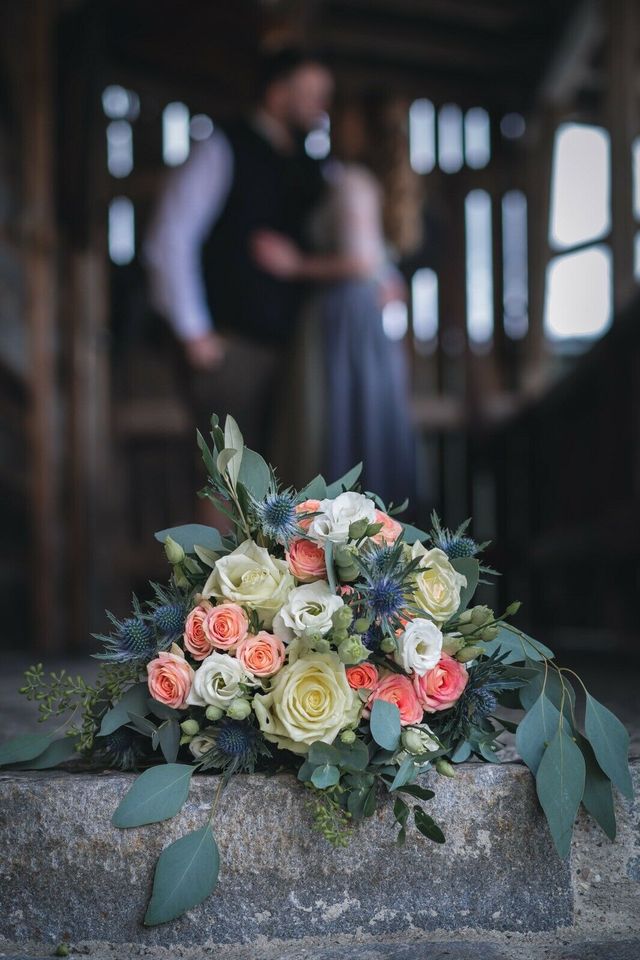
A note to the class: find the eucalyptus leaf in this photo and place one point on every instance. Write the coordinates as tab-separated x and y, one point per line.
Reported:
560	784
135	699
186	873
536	730
417	792
406	771
208	557
161	710
169	737
144	726
369	804
411	534
26	747
461	753
469	567
305	771
157	794
325	776
315	490
320	753
518	646
610	742
190	534
233	441
328	562
401	814
427	826
347	482
56	753
598	795
254	474
553	684
385	724
207	456
352	756
224	463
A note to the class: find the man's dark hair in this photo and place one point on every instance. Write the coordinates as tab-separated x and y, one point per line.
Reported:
279	65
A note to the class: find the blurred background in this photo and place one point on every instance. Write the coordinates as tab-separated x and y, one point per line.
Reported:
513	131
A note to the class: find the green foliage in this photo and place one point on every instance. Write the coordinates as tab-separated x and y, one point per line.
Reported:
56	753
316	490
385	724
23	748
610	742
536	730
186	873
427	825
191	534
329	818
560	784
157	794
134	700
469	567
412	534
517	646
325	776
598	795
347	482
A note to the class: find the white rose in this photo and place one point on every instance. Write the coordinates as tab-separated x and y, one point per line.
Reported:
308	610
336	516
419	647
218	681
252	577
438	585
202	742
309	700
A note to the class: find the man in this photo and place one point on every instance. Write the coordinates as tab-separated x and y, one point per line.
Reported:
233	318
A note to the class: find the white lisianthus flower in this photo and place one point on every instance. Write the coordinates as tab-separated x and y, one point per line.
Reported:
308	610
420	646
438	584
309	700
202	742
336	516
253	578
218	681
420	739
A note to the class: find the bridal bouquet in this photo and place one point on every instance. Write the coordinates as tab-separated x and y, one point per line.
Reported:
323	636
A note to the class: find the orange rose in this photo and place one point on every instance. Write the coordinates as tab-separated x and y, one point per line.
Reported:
195	639
441	687
396	688
306	561
362	676
308	506
262	654
390	531
225	626
169	678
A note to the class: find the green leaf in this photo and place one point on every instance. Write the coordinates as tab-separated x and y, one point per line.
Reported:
305	771
144	726
610	742
461	753
406	772
385	724
191	533
560	785
369	805
325	776
156	795
427	826
328	562
316	490
56	753
26	747
553	690
344	483
412	534
207	456
186	873
417	792
169	737
320	752
224	464
536	731
401	814
233	441
161	710
518	646
254	474
135	700
208	557
352	756
598	795
469	567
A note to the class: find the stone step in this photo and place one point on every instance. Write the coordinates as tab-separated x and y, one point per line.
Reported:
67	875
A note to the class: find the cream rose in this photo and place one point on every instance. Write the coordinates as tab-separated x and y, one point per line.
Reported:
309	700
253	578
438	585
419	647
336	516
218	681
308	610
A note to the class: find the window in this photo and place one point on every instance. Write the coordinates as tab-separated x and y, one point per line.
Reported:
515	264
424	309
422	136
479	265
477	138
450	155
121	239
578	294
175	134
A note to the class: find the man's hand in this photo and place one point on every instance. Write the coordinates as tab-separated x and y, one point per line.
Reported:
276	254
206	352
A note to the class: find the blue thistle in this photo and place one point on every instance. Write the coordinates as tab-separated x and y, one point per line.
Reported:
455	544
132	638
378	557
372	637
169	619
386	587
480	703
276	516
236	746
121	750
386	597
167	613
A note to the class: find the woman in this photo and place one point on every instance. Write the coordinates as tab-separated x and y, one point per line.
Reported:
348	397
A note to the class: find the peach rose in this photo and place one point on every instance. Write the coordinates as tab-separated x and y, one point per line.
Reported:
262	654
390	531
306	560
362	676
225	626
308	506
169	677
441	687
396	688
195	639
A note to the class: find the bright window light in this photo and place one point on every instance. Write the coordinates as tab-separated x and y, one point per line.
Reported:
119	148
635	159
514	264
200	126
580	185
175	134
578	296
477	138
394	319
477	215
122	240
422	136
118	103
424	307
636	256
450	156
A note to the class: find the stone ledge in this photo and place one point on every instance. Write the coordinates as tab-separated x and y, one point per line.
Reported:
65	873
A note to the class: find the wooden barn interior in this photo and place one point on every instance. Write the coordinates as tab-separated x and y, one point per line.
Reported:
523	324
